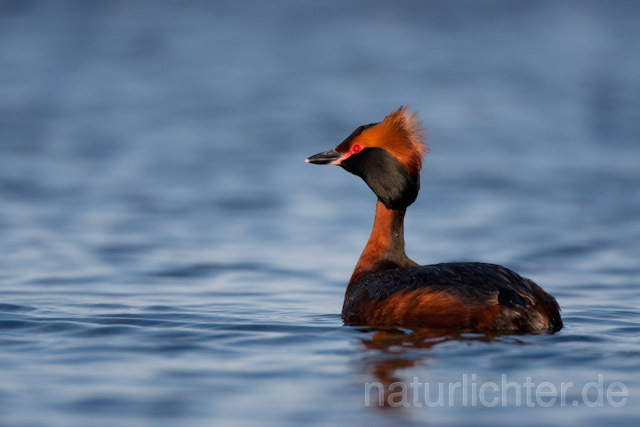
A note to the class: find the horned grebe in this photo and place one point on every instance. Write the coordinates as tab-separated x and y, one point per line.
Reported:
387	289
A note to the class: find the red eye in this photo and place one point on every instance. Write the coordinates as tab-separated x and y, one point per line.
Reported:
356	148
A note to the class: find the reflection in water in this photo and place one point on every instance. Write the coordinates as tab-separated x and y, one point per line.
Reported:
391	350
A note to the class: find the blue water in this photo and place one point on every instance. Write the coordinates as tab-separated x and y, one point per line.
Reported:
167	257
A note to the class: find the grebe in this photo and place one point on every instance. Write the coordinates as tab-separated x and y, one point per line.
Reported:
387	288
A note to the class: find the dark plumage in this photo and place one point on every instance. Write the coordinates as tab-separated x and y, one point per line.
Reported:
475	285
394	186
387	288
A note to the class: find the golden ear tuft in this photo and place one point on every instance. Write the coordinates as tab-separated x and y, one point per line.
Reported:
403	136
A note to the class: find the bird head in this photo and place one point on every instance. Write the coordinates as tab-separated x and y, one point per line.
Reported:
386	155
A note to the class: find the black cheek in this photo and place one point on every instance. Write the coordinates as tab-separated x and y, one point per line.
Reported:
393	185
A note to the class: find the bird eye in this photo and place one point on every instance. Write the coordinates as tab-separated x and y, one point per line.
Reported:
356	148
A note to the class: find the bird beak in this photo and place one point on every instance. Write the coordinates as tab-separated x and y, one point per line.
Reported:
330	157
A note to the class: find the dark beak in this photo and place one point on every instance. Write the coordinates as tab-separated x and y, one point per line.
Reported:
325	158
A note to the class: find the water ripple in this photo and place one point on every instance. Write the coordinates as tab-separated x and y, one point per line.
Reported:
167	257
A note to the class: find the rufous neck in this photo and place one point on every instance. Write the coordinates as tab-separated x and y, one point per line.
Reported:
385	248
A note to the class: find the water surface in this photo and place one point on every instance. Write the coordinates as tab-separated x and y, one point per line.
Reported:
167	257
